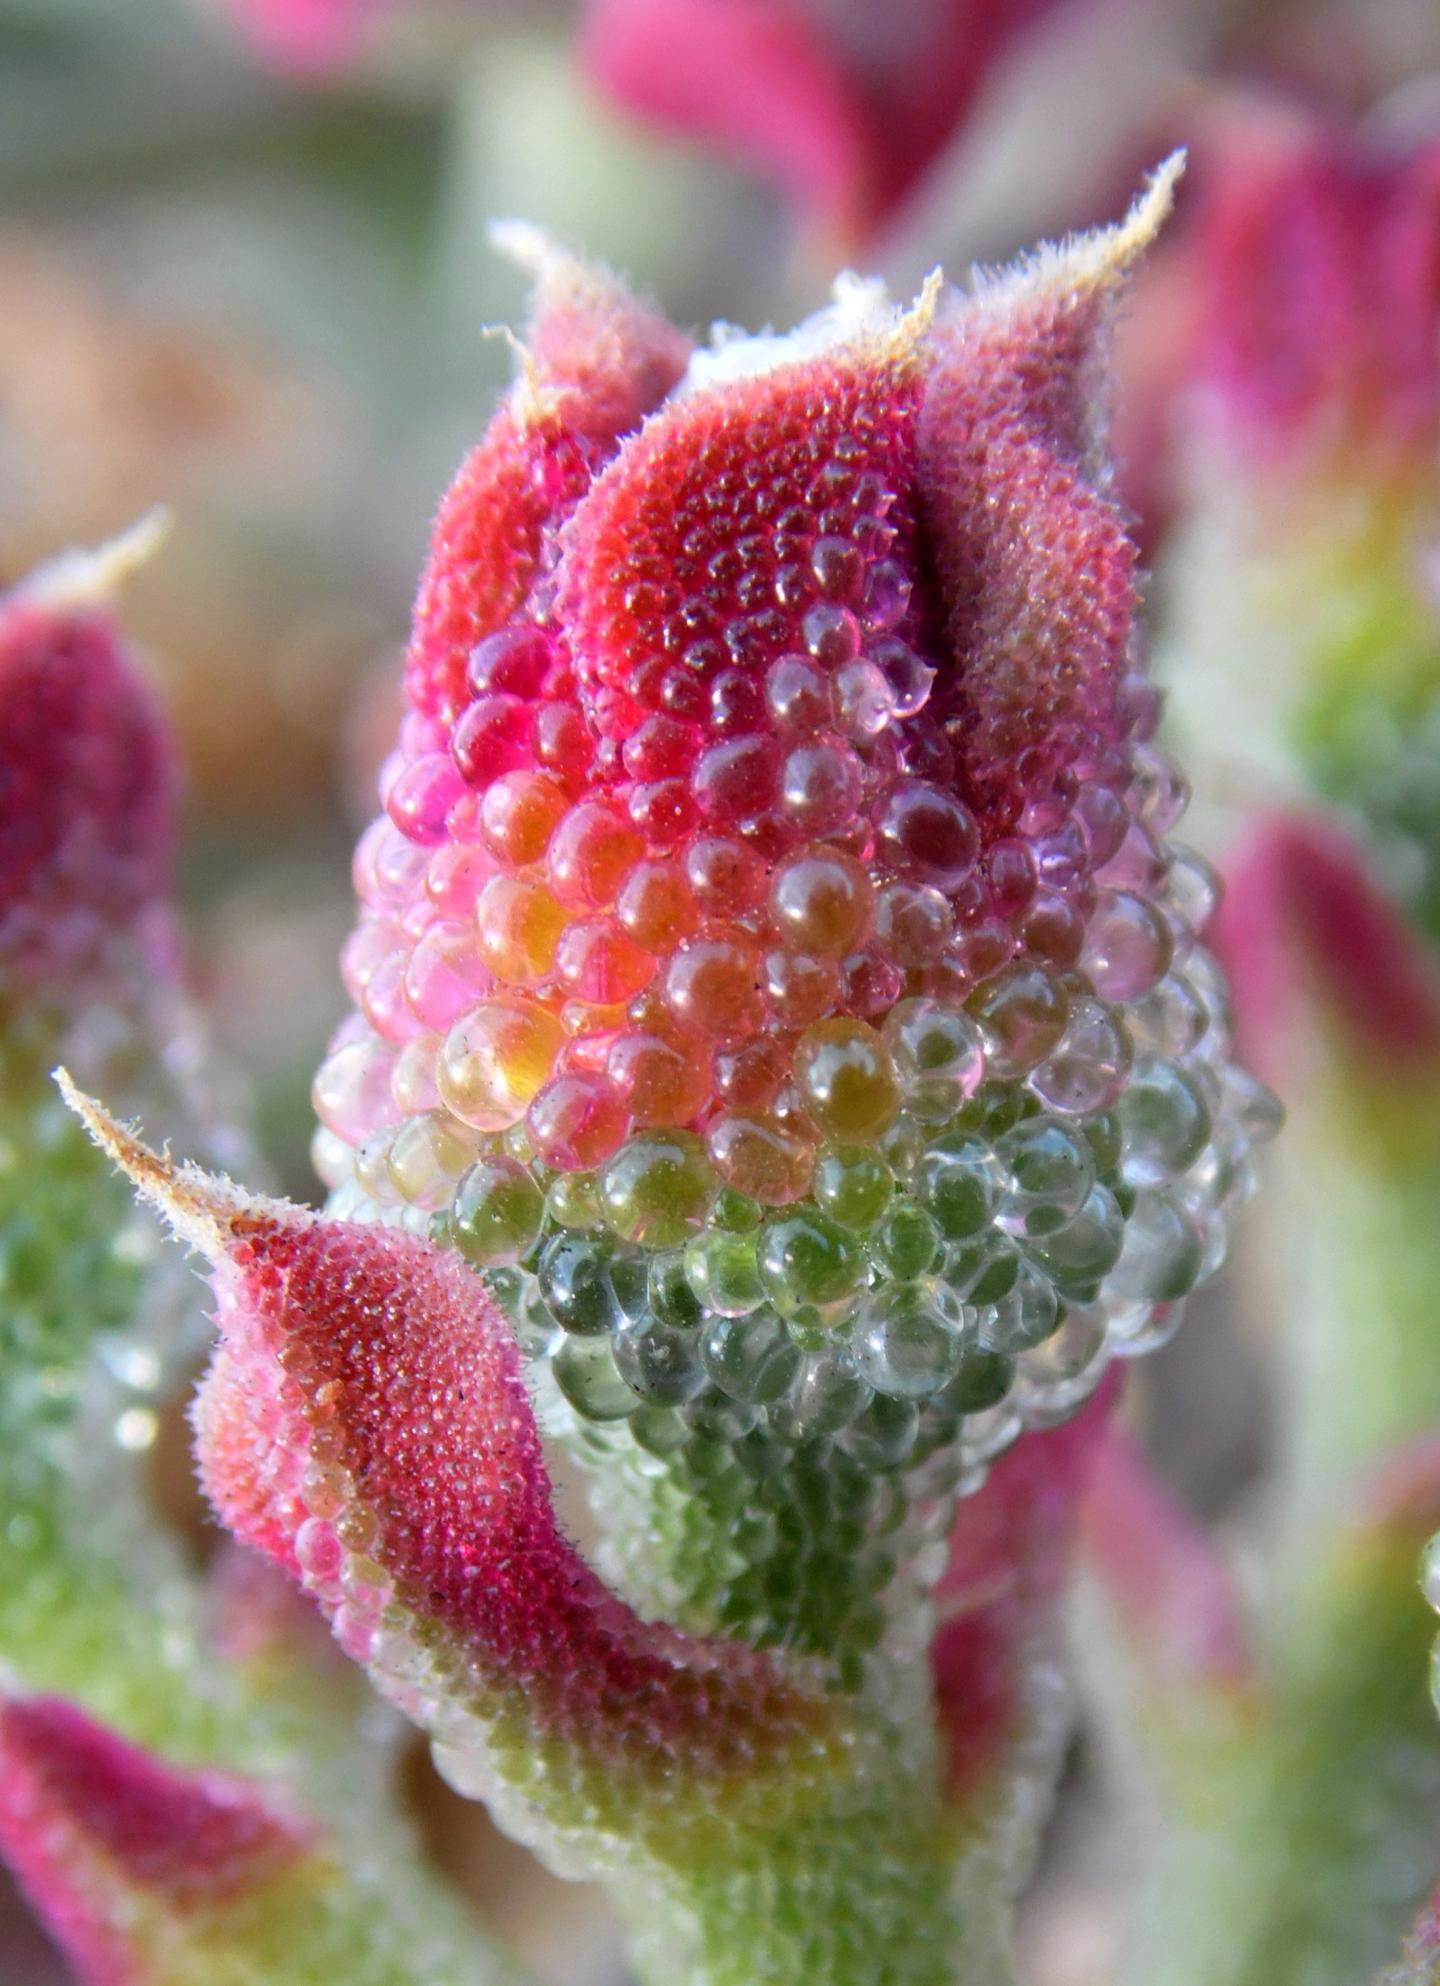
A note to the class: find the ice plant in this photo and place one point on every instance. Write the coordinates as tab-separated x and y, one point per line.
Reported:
786	1072
1307	626
1288	1754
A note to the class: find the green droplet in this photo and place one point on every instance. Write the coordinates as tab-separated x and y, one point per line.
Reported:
808	1262
907	1241
853	1186
658	1189
497	1212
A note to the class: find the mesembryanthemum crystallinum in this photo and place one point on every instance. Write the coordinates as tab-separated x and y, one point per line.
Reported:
785	1070
773	972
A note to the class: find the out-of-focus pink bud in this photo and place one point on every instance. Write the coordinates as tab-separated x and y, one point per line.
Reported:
1304	920
843	106
84	1815
87	789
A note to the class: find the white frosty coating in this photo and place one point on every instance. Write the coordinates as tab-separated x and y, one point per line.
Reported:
860	308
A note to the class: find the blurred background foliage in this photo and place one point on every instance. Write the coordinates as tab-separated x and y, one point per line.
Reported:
258	290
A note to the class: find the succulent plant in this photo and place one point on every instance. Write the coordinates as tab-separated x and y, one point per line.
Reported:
786	1072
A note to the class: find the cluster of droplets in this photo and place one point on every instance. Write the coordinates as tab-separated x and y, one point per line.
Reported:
795	1107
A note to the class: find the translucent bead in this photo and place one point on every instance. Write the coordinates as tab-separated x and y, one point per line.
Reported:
826	1394
958	1183
573	1277
853	1186
1054	1377
902	1145
1192	890
444	974
738	780
591	853
831	635
907	1242
750	1357
724	1274
658	1362
661	1079
1256	1109
1078	1256
984	1270
1162	1256
420	799
760	1157
332	1159
1101	815
668	1292
938	1055
821	901
1128	946
1052	930
913	922
906	1344
1087	1069
797	695
724	877
514	661
847	1080
497	1212
427	1155
1169	1020
572	1201
908	677
883	1435
655	906
658	1189
598	962
1164	1121
870	983
799	988
982	1381
371	1169
1022	1014
820	785
716	1417
861	697
711	987
492	737
1159	791
1136	1329
494	1060
1025	1317
518	926
518	814
455	874
351	1092
810	1264
577	1121
586	1373
1048	1171
926	834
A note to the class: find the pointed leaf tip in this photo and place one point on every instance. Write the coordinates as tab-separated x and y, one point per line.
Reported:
198	1206
87	577
1097	261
